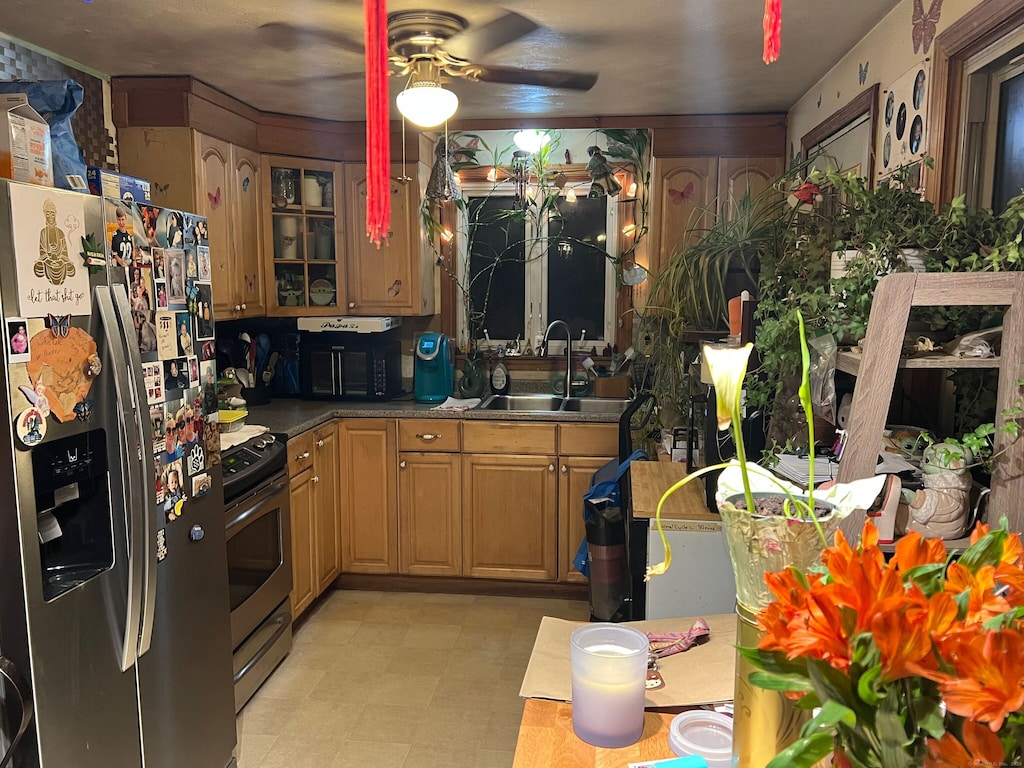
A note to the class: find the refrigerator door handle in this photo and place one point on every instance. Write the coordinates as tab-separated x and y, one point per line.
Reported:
146	462
17	683
131	444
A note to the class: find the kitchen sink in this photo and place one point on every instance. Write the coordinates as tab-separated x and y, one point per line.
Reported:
595	405
552	404
542	403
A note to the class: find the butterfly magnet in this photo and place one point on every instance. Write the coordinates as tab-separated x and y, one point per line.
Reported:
83	410
924	24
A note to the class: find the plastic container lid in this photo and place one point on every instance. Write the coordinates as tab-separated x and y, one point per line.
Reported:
705	733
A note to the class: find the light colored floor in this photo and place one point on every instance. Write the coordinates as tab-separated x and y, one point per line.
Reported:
398	680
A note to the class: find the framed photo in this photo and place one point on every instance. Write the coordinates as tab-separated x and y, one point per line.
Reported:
18	350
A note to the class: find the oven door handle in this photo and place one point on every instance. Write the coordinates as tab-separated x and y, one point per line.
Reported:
253	511
282	621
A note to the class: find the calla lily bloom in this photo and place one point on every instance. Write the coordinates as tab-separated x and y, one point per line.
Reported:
728	368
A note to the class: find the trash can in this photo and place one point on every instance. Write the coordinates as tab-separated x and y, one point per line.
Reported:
607	559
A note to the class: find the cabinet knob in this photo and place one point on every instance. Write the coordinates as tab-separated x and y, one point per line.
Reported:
316	478
303	455
401	464
428	437
351	305
551	467
238	307
319	443
564	469
243	305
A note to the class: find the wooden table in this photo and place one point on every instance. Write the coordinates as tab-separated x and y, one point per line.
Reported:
648	480
546	740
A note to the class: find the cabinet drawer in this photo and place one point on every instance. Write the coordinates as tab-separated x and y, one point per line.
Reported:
300	453
507	437
588	439
428	435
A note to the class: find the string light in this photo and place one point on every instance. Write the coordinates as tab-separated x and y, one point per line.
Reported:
492	175
629	229
447	235
570	195
458	179
631	192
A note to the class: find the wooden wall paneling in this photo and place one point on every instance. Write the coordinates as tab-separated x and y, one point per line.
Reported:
156	154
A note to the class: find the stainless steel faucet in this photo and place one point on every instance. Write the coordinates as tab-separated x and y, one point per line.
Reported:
567	390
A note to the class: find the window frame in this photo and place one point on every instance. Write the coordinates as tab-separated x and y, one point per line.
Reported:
537	283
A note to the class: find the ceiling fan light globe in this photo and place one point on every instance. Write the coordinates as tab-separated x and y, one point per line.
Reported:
427	104
531	140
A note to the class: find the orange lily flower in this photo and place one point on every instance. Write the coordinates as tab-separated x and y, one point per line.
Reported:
989	681
913	550
983	603
982	748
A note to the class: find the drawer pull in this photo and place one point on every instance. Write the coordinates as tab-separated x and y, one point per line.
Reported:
401	464
319	443
429	437
316	478
551	467
302	456
564	469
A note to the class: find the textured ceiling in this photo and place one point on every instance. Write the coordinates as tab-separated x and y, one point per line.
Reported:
671	57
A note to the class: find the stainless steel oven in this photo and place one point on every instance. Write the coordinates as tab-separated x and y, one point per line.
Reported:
259	562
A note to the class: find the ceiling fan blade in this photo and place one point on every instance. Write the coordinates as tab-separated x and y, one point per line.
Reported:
477	42
291	37
546	78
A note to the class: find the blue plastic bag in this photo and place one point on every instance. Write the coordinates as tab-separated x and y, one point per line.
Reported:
56	101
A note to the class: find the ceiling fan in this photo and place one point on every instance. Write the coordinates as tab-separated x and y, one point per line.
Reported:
431	45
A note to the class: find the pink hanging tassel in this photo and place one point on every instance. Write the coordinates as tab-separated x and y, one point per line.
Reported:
378	139
772	30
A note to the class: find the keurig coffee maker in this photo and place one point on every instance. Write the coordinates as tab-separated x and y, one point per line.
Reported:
434	374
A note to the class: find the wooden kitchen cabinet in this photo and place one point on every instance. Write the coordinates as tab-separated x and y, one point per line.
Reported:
429	498
316	546
369	496
222	183
304	578
509	521
583	449
325	505
398	277
737	175
304	236
684	190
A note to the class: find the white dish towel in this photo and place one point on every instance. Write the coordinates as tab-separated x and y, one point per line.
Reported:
455	404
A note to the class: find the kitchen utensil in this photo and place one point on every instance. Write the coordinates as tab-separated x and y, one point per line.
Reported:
271	369
262	353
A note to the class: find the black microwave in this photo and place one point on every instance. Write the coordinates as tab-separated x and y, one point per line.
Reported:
334	369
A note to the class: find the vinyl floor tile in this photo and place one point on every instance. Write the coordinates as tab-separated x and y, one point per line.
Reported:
398	680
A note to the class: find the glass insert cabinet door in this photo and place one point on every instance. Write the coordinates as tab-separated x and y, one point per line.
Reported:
303	229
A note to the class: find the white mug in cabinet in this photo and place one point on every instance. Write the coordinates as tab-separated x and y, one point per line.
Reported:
312	192
286	237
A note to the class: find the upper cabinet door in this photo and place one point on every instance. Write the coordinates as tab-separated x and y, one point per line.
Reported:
684	197
389	279
737	175
213	192
248	267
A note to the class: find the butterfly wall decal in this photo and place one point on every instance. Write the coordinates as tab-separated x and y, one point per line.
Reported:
59	326
678	196
395	288
924	24
862	72
161	189
245	184
215	199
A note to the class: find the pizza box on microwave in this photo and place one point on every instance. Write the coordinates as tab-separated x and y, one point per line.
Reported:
117	185
25	152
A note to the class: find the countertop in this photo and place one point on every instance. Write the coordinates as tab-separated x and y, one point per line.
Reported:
292	417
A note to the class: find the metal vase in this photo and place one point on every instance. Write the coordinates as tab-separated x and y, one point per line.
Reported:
766	722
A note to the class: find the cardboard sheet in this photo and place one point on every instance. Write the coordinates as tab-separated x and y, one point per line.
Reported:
702	675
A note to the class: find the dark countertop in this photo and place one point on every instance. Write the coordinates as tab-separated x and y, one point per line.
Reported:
293	417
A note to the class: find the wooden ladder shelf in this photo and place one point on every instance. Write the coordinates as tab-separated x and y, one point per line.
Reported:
887	323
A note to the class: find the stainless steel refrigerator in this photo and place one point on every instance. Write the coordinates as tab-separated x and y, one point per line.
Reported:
114	599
